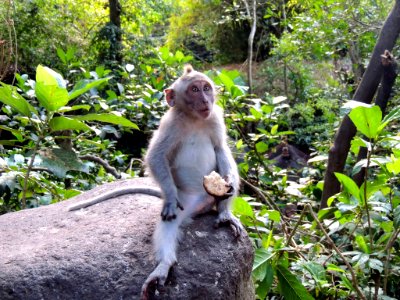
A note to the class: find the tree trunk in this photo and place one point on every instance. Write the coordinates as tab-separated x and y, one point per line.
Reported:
115	19
388	78
364	93
253	17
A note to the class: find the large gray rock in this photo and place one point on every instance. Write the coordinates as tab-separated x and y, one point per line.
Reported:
104	252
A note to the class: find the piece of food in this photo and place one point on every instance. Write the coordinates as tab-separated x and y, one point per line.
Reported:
215	185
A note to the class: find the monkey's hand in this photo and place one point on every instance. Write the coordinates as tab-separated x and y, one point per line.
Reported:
157	277
226	217
169	210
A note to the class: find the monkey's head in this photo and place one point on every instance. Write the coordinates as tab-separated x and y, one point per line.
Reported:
193	93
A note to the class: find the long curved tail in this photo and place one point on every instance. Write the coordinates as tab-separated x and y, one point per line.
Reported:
116	193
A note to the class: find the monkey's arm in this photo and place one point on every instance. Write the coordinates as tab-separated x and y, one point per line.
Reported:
160	148
115	193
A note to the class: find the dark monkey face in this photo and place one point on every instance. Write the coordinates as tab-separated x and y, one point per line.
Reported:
199	98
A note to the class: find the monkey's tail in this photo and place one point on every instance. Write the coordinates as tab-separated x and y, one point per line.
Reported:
116	193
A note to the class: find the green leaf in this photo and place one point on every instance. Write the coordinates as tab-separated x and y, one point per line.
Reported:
349	185
64	123
316	270
50	89
394	165
274	129
10	96
242	207
85	85
107	118
226	81
265	285
362	244
289	285
396	217
261	259
72	108
256	114
367	120
15	132
392	115
261	147
59	161
332	267
274	215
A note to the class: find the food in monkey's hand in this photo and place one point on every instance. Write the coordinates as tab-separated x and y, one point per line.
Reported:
215	185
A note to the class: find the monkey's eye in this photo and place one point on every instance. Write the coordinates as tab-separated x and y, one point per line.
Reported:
206	88
195	89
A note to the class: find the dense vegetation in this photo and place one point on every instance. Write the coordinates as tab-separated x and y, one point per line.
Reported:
82	90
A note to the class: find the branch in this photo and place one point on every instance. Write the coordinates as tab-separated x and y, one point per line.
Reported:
102	162
332	243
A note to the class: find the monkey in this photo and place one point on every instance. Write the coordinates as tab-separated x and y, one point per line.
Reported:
190	143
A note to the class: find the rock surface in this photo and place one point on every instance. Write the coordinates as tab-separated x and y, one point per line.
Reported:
104	252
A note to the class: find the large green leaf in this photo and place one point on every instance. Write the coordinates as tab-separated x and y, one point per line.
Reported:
261	259
367	120
289	286
50	89
107	118
349	185
59	161
64	123
242	207
10	96
264	286
85	85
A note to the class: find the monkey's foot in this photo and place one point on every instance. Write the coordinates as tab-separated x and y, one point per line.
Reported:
169	210
157	277
227	218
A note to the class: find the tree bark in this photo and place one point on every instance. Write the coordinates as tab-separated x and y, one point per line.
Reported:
364	93
115	19
252	17
389	66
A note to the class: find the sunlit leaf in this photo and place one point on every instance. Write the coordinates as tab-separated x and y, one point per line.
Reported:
10	96
64	123
242	207
261	147
85	85
50	89
107	118
362	244
367	120
349	185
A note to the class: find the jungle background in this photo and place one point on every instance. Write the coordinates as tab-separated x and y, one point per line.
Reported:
82	90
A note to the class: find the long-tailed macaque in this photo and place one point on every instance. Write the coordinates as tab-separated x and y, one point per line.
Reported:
189	144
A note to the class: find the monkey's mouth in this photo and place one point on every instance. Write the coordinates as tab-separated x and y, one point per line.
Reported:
205	112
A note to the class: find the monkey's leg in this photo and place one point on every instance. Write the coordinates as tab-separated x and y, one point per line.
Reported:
226	217
166	239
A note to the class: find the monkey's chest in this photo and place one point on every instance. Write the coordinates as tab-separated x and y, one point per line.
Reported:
194	159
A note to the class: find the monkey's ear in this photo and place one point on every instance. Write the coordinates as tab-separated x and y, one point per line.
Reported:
170	96
187	69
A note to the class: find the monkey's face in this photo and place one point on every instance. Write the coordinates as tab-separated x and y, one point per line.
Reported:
199	98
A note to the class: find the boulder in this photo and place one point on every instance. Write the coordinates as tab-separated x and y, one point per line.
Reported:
105	252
